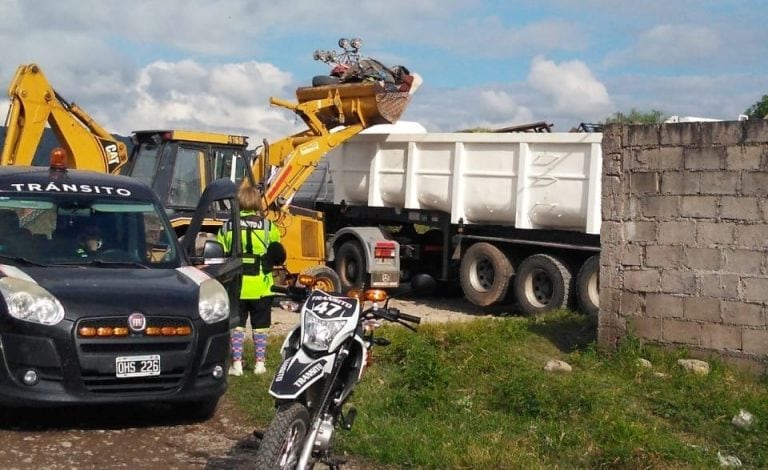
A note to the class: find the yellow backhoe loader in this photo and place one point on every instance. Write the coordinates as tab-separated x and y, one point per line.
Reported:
179	164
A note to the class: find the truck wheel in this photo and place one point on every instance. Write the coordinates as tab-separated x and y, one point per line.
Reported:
588	286
326	278
484	274
542	284
350	265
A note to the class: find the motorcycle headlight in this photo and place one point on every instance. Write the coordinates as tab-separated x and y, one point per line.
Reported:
214	301
29	302
319	333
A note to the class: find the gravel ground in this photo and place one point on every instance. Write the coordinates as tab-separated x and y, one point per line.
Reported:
152	437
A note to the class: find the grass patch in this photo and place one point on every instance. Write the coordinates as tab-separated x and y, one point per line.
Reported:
475	395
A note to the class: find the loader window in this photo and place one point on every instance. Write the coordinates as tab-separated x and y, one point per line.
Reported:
145	162
228	163
186	182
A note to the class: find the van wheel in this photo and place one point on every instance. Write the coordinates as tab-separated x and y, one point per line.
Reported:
542	284
350	265
588	286
326	279
485	273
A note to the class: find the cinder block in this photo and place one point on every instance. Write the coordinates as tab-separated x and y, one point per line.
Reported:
664	256
632	209
740	208
678	282
710	233
677	134
611	139
640	231
632	255
706	158
755	131
743	157
752	236
631	304
646	182
681	182
705	309
742	261
755	341
754	183
660	207
677	232
704	259
681	331
723	132
612	163
723	286
742	314
643	135
659	158
720	182
610	300
642	280
700	207
663	306
644	327
755	289
720	337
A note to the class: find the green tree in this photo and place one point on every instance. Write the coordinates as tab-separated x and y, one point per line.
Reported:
758	110
636	117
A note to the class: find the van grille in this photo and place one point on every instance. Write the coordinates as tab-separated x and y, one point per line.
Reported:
97	356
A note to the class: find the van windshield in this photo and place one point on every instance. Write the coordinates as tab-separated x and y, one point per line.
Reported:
85	230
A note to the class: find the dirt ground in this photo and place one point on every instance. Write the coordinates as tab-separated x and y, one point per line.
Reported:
152	437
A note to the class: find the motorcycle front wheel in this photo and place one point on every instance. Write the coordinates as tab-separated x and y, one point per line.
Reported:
281	446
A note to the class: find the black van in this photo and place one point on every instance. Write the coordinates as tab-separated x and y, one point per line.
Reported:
101	303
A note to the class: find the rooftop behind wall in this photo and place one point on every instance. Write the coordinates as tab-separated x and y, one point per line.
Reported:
685	236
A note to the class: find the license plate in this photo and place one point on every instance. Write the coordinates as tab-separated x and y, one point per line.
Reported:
137	366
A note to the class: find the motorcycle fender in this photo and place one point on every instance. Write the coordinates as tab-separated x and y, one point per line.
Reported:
297	373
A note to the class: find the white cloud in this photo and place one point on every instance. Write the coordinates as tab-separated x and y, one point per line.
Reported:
230	98
571	88
668	44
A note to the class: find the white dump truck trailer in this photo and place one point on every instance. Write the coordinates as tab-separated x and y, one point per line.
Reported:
508	217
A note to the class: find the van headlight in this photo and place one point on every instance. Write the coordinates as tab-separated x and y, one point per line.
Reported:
29	302
214	301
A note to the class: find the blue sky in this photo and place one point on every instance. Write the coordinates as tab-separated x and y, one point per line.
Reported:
213	64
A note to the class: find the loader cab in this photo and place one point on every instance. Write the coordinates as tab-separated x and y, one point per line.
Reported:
178	165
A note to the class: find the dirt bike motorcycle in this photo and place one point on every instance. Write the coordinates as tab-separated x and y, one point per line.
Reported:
323	359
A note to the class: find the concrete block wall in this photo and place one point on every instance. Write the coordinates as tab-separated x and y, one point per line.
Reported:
684	258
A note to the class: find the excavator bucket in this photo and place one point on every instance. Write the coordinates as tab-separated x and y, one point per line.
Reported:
366	103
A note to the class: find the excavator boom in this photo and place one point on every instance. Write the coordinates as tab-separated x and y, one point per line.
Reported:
34	103
333	114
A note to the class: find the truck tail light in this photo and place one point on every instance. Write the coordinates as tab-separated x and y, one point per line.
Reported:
384	250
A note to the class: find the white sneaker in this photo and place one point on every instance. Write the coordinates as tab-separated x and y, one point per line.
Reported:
259	368
236	368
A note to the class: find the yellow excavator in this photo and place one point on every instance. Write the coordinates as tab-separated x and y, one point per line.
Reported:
178	164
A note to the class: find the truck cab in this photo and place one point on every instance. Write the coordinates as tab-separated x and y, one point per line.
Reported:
101	302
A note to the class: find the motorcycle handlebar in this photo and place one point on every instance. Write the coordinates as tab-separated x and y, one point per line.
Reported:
410	318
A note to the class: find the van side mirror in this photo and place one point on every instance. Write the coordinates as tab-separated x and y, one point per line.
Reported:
213	252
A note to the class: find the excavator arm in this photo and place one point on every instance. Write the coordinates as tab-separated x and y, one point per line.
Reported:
34	103
333	114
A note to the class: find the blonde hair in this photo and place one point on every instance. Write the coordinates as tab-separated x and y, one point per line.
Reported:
251	198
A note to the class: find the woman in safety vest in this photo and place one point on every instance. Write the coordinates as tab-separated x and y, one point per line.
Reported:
257	232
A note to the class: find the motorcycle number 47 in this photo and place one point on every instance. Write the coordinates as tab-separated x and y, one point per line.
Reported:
330	307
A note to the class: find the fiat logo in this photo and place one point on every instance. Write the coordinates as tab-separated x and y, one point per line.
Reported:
137	322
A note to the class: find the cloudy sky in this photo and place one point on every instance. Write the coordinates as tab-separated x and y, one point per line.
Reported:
213	64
